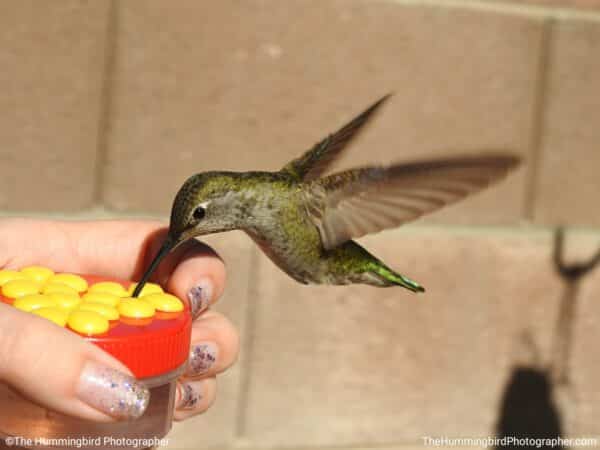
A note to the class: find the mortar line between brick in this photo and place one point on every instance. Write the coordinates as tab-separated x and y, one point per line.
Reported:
247	347
499	7
106	100
102	213
538	127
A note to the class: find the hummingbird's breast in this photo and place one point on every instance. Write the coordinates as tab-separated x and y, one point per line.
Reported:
280	226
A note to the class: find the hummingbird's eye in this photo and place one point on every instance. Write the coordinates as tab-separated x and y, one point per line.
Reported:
199	213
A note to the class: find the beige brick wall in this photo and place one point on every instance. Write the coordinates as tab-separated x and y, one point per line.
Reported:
51	76
108	106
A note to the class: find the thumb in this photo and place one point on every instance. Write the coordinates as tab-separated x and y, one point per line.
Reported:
59	370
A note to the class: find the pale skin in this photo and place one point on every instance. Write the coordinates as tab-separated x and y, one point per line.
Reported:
119	249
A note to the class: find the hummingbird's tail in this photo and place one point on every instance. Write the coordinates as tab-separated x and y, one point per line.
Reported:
391	278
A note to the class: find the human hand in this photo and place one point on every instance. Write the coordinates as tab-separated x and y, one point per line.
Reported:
70	375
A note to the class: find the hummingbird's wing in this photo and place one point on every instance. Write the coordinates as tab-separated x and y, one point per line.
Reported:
356	202
312	163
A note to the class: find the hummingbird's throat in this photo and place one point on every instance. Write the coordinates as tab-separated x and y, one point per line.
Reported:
167	246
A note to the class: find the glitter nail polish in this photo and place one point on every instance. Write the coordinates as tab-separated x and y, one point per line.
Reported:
199	296
202	358
112	392
155	346
189	396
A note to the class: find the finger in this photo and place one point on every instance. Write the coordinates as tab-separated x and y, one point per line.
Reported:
198	275
215	345
194	397
70	376
121	249
110	248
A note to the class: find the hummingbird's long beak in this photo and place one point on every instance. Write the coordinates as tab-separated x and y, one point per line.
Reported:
167	246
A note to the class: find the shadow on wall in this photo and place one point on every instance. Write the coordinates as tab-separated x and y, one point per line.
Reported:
528	408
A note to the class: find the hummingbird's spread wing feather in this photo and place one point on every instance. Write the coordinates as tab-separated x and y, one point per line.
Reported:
313	163
356	202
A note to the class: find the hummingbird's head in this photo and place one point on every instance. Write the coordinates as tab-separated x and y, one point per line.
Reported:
203	205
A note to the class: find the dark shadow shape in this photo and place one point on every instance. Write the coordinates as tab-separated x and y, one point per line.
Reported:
563	333
571	273
528	409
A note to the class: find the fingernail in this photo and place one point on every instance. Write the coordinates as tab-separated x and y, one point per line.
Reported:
112	392
202	357
189	395
199	296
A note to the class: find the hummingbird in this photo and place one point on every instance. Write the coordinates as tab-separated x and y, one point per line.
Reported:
306	222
